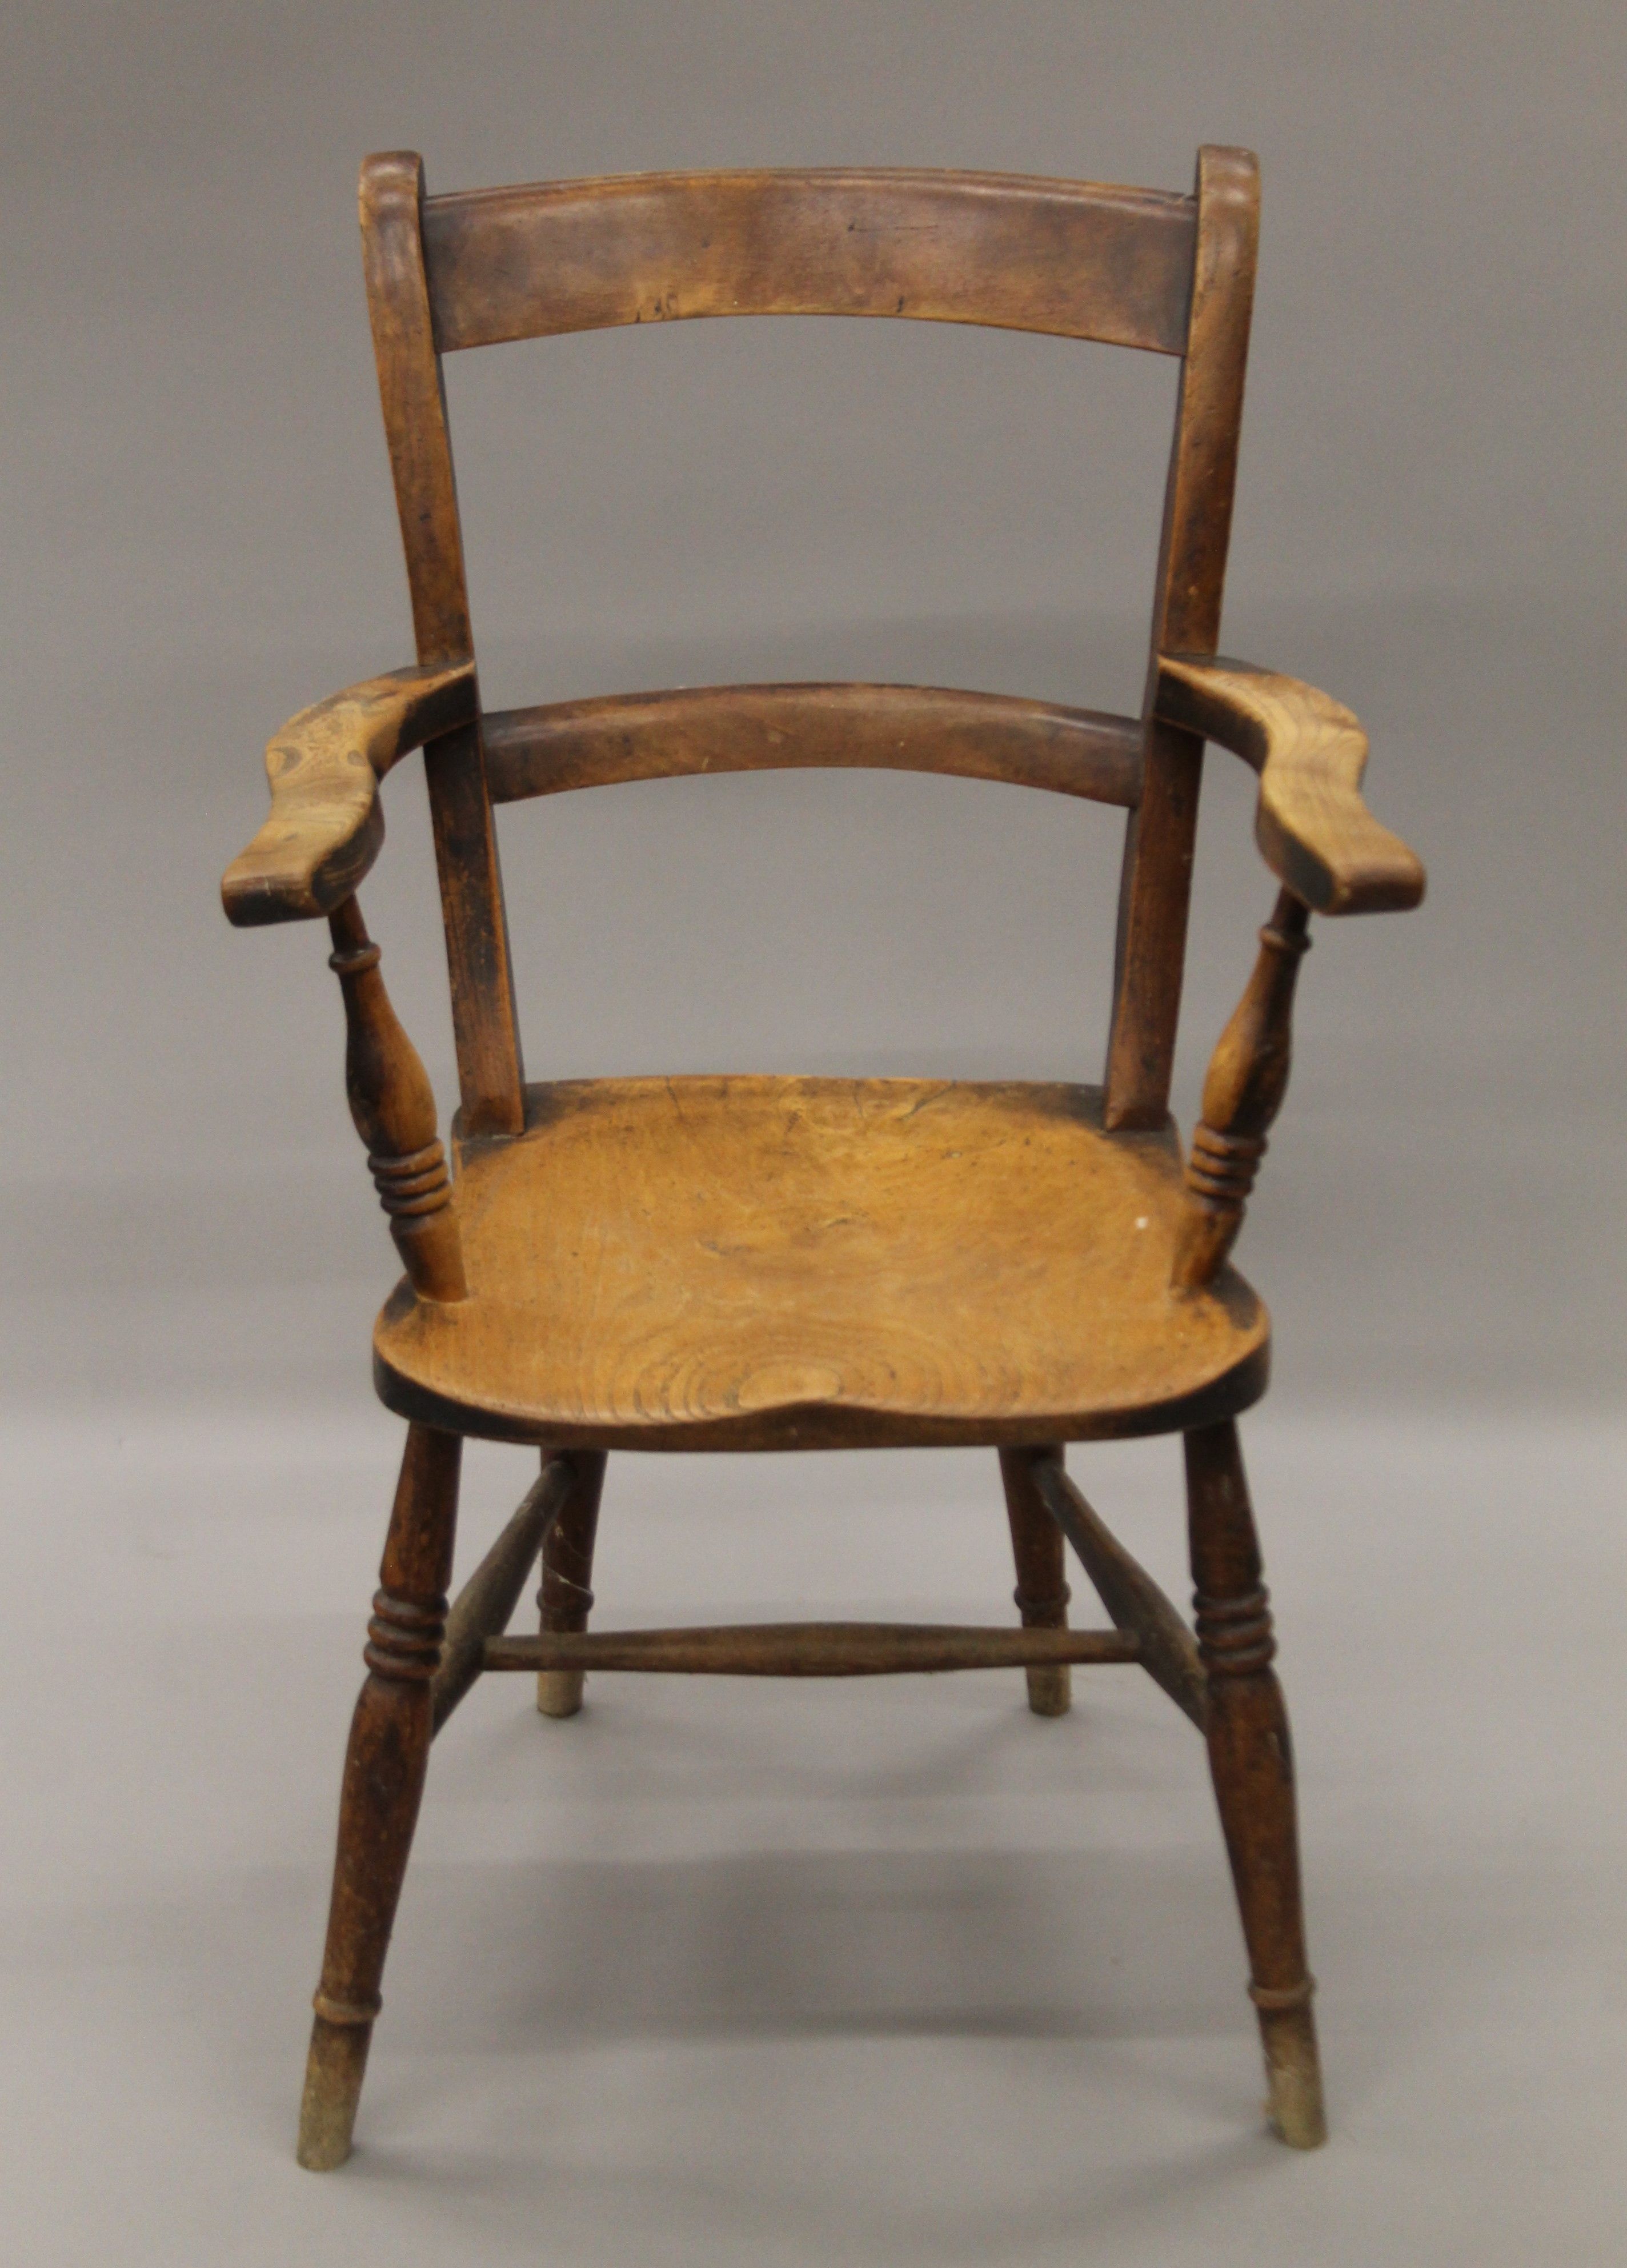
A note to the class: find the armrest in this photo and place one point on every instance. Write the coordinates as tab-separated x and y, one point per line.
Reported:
327	823
1314	830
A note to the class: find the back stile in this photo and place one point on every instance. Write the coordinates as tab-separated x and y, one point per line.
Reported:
485	1019
1197	522
1136	267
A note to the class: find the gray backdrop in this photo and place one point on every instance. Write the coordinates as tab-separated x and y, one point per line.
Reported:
203	540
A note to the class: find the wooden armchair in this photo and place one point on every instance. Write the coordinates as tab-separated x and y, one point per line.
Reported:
802	1264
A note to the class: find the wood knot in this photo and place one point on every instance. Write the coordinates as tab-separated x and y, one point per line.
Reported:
404	1639
1234	1636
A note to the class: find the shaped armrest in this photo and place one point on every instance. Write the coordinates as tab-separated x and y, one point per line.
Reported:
1314	830
327	823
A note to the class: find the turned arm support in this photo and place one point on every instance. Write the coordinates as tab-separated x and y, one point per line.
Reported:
1314	830
1242	1093
324	832
323	767
394	1106
1331	856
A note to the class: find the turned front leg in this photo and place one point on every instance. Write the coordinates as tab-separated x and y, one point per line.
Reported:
1242	1093
1251	1761
384	1773
394	1106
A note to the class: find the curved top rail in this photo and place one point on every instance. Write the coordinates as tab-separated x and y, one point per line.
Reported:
1075	259
739	728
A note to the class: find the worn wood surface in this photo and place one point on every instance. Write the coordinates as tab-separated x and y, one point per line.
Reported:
1041	1595
809	1649
1133	1600
390	198
1077	259
392	1106
323	767
565	1598
482	1608
1315	831
730	728
782	1263
1251	1762
1243	1091
384	1773
1156	883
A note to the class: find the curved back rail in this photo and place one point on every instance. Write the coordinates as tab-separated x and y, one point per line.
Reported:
1148	269
1074	259
734	728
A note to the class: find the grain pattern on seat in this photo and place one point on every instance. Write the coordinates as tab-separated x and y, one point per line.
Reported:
735	728
802	1262
1075	259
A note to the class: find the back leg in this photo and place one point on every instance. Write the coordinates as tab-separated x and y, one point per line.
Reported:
566	1599
1042	1592
1251	1762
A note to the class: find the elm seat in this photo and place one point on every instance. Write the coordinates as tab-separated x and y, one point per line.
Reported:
763	1262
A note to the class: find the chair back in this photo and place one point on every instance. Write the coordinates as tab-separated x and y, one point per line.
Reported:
1165	273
